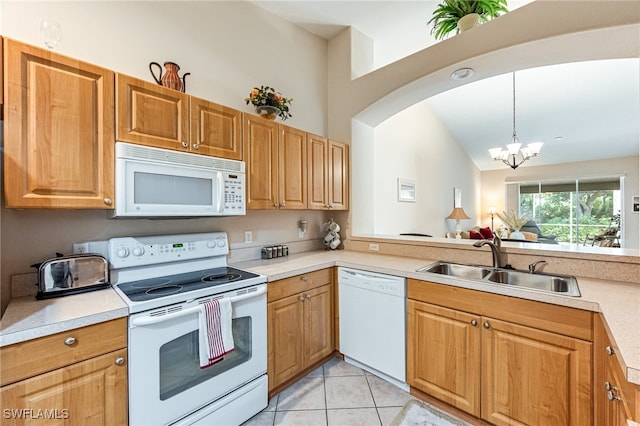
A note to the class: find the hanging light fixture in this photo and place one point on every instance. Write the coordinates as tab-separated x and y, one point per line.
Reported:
509	155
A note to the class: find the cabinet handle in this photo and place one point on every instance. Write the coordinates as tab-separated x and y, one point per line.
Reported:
185	144
608	386
330	206
283	204
119	360
303	278
196	145
487	325
613	397
107	201
308	296
609	350
301	298
276	205
69	341
474	323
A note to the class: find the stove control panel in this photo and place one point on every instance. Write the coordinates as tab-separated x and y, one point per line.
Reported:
125	252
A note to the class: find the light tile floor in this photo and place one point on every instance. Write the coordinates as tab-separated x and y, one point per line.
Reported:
335	394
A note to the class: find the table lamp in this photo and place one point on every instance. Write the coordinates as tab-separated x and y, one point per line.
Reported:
458	214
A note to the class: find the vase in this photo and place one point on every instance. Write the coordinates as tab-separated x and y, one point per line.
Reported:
267	111
468	21
517	235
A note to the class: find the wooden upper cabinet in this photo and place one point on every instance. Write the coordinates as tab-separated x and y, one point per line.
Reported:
1	75
59	138
318	173
150	114
338	175
292	168
328	163
216	130
260	145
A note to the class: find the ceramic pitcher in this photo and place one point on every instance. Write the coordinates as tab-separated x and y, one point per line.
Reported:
170	79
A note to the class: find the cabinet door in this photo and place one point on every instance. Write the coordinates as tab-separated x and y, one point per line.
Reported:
443	354
260	138
533	377
292	168
215	129
285	339
92	392
150	114
318	324
338	175
58	146
317	151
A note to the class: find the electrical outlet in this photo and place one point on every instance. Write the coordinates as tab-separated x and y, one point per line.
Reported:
248	236
80	248
374	247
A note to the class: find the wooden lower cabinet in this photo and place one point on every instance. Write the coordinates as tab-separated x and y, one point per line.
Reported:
92	392
300	324
443	354
495	363
615	399
77	377
532	377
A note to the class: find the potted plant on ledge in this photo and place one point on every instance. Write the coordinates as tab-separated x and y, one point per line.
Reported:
269	103
461	15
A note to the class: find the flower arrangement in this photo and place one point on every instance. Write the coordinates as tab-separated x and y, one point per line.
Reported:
268	96
512	220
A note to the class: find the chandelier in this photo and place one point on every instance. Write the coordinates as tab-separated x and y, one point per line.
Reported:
515	154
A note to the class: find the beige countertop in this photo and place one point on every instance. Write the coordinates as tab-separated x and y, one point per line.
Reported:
27	318
618	301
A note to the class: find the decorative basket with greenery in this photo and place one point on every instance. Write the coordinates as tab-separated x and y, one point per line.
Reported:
268	96
447	14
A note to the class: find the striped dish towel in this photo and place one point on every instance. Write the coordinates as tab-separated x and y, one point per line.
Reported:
215	337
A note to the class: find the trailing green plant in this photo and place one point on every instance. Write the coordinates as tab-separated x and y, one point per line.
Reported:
447	14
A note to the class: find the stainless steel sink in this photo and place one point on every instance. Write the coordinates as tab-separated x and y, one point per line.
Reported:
457	270
551	283
560	284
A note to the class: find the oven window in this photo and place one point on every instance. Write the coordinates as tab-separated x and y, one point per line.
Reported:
180	365
152	188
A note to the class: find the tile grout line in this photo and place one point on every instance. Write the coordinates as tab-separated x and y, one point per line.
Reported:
375	404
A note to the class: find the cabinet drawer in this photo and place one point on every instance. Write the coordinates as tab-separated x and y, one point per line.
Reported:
32	357
296	284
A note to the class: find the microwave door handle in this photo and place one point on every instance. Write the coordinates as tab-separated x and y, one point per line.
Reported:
221	195
142	321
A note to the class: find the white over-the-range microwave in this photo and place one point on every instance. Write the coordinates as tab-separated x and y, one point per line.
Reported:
153	182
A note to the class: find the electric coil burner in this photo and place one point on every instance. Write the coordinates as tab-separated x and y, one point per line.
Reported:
164	280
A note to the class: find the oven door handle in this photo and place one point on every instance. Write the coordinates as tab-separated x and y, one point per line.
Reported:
148	320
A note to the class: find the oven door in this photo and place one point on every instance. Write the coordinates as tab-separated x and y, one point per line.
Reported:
166	382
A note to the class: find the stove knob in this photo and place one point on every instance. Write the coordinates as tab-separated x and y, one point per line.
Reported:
221	242
122	252
211	244
138	251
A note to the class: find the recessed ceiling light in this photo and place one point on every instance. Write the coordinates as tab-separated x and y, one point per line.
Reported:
462	74
558	138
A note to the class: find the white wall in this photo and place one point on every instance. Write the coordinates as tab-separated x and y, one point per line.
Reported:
414	145
228	47
493	185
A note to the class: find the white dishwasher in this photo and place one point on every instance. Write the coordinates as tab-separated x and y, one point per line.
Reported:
373	322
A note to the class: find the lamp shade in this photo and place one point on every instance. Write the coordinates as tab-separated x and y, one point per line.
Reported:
458	214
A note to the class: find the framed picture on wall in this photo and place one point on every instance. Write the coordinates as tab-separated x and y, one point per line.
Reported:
406	191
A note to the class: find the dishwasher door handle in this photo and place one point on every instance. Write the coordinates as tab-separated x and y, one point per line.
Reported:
366	276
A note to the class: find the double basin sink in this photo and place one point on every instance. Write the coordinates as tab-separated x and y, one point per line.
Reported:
558	284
